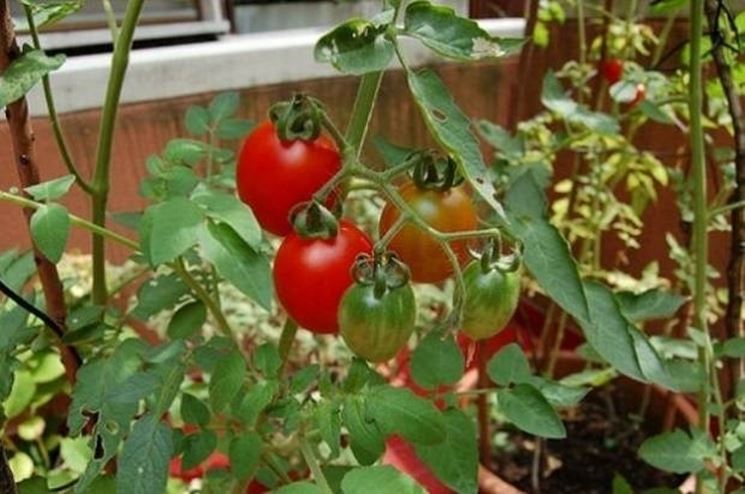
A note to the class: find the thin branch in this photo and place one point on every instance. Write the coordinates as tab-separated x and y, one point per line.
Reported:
22	140
736	267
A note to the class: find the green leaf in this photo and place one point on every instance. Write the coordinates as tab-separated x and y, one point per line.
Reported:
366	439
186	152
654	112
437	362
224	105
245	453
194	411
51	190
379	479
590	377
238	263
21	394
225	208
299	488
399	411
557	394
677	451
738	459
452	129
527	408
234	128
47	13
24	73
623	91
197	447
197	120
509	365
254	401
227	380
500	139
15	331
143	463
171	228
159	294
555	99
50	229
665	7
621	485
452	36
546	253
328	420
187	320
455	461
392	154
734	348
652	304
355	47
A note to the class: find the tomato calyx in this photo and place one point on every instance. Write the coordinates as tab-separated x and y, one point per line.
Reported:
314	220
492	257
385	272
433	172
299	118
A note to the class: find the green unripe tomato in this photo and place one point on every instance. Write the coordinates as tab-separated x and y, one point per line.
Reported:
491	300
376	328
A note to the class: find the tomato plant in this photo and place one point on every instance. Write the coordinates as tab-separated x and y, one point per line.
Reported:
612	70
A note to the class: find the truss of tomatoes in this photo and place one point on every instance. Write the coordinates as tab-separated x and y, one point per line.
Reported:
334	283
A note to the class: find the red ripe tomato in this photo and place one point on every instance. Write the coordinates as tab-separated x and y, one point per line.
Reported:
312	274
256	488
274	176
612	70
641	93
451	210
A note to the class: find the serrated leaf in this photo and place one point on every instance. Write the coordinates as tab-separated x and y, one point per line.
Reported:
455	461
399	411
24	73
159	294
47	13
197	447
452	36
171	229
355	47
227	209
254	401
51	190
50	229
509	365
187	320
379	479
227	380
392	154
452	128
365	438
527	408
194	411
676	452
244	453
197	120
187	152
143	463
238	263
437	362
329	425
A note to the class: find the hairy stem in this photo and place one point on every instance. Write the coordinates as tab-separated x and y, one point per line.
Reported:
362	110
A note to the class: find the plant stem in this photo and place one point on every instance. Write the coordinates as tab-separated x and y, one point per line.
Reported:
396	227
736	266
99	200
180	268
700	222
362	110
287	339
111	20
315	468
52	110
482	406
664	35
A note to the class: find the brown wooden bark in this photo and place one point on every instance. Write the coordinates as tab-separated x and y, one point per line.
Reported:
736	266
22	140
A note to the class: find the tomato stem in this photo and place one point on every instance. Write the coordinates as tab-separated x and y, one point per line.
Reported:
180	268
367	94
315	468
286	339
386	239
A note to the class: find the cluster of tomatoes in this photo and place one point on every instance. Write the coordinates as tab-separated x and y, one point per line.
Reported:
331	279
612	70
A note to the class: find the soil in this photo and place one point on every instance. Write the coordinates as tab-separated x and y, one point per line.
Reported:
603	438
